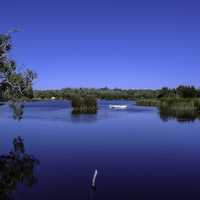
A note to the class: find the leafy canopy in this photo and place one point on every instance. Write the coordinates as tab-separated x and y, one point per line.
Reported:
13	84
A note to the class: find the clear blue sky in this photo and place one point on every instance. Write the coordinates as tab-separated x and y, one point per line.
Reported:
114	43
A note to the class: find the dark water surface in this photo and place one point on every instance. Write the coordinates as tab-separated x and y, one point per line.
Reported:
137	155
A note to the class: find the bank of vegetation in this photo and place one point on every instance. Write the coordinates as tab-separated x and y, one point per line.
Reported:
129	94
99	93
181	103
182	96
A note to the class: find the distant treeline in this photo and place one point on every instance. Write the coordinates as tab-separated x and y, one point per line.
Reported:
106	93
102	93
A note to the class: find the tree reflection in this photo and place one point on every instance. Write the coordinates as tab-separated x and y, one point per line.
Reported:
167	114
17	110
16	167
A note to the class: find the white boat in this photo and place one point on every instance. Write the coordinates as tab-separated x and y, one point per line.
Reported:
118	106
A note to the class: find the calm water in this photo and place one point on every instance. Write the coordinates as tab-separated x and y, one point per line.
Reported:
137	155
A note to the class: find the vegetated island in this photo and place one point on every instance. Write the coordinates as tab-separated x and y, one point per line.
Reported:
84	105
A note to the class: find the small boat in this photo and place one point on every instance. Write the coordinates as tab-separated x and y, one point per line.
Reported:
118	106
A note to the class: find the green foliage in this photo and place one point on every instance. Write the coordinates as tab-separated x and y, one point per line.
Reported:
86	104
187	91
101	93
166	92
90	101
13	84
197	104
130	94
148	102
181	91
182	109
77	101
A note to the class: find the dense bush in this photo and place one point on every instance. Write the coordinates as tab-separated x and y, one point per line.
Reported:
197	104
182	109
90	101
181	113
77	101
187	91
86	104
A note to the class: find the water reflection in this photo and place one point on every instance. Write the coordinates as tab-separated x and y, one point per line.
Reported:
52	110
86	118
16	167
167	114
17	110
92	194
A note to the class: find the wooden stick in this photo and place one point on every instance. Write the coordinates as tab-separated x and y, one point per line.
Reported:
94	179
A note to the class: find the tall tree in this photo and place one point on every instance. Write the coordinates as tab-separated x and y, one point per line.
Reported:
187	91
13	83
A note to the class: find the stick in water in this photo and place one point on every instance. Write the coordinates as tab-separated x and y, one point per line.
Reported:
94	179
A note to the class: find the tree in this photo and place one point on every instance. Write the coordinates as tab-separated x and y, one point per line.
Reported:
187	91
164	92
13	84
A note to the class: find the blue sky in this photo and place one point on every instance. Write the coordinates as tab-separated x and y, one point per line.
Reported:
113	43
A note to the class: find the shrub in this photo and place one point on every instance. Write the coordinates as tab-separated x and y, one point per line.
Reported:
86	104
77	101
90	101
187	91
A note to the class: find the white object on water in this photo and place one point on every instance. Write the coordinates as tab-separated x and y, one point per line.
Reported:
94	178
118	106
53	98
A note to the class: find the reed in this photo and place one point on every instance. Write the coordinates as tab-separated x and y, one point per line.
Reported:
182	109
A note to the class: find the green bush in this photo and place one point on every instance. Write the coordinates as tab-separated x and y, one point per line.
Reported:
197	104
90	101
187	91
77	101
85	105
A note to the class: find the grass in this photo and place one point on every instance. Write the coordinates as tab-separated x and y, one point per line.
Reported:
148	102
173	103
180	108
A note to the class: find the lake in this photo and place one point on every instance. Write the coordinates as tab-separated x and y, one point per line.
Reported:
138	155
